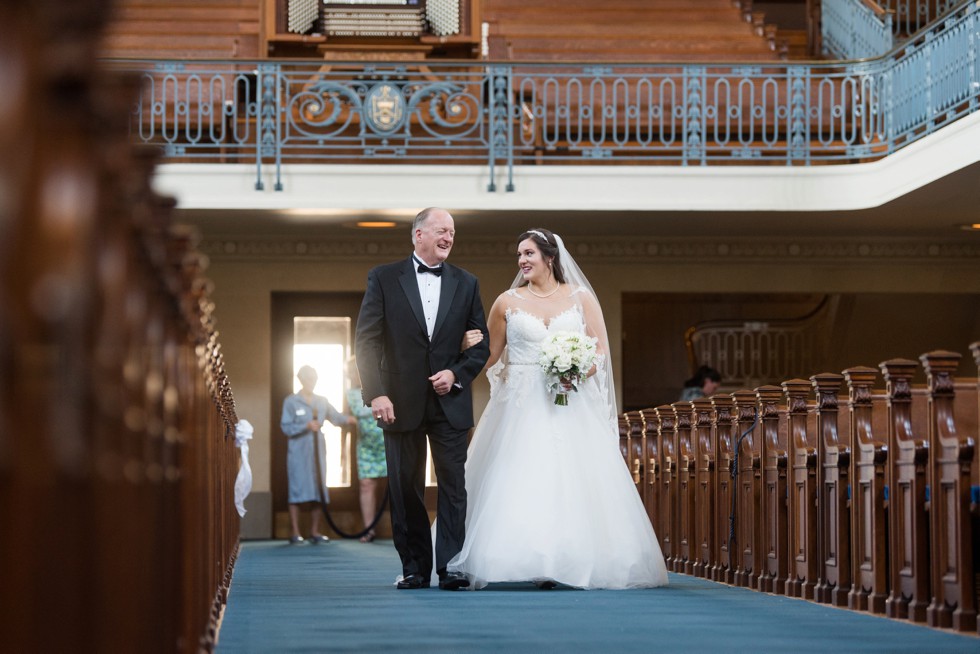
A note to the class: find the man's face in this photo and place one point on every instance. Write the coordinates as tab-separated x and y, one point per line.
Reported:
434	239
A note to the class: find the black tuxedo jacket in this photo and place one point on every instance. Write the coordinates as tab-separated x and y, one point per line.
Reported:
394	354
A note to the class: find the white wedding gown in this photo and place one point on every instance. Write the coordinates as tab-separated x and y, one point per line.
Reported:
549	495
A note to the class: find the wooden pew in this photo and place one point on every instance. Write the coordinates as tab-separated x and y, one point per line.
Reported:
802	532
833	481
869	460
624	439
952	544
686	489
705	519
773	509
654	469
105	309
748	516
723	569
668	492
908	481
803	492
636	449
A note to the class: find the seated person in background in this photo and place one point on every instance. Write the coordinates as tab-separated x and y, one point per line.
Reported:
704	383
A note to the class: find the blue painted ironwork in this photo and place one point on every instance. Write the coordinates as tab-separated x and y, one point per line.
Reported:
910	16
516	113
851	29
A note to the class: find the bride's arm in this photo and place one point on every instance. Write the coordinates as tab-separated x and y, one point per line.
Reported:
595	326
497	326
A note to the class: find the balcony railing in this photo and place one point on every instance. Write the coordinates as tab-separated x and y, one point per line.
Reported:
909	16
855	29
270	113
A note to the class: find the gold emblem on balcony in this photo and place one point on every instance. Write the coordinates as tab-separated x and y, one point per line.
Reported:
384	108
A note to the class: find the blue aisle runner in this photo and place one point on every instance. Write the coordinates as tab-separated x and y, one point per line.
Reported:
341	597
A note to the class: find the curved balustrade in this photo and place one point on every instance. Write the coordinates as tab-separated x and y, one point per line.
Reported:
515	113
910	16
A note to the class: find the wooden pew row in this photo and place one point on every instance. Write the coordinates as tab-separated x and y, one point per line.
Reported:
626	29
216	29
671	6
867	501
118	529
561	49
565	25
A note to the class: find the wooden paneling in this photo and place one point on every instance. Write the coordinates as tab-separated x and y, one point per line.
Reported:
224	29
629	30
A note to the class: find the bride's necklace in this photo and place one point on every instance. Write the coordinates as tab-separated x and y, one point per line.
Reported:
548	294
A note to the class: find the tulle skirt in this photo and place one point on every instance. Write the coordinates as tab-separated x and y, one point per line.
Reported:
549	495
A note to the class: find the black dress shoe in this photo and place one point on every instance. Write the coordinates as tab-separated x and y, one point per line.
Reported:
453	581
545	584
412	582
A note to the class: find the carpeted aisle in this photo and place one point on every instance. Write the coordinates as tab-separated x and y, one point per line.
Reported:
340	597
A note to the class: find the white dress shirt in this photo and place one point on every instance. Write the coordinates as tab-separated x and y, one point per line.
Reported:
429	288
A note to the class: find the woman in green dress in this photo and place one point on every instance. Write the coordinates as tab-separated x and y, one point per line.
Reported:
372	466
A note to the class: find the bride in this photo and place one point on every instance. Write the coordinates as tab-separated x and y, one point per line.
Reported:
549	497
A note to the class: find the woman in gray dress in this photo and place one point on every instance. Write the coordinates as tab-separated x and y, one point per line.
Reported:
303	415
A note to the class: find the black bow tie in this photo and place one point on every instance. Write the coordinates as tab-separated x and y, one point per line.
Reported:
425	269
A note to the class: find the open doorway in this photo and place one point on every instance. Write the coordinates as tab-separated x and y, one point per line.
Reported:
316	329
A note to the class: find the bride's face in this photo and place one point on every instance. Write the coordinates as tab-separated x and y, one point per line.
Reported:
533	264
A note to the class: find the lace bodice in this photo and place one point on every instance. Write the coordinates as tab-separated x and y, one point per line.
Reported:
526	331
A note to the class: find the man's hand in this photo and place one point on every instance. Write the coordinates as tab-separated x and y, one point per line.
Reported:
382	409
314	425
442	381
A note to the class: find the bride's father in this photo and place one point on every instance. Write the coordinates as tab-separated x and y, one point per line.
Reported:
417	381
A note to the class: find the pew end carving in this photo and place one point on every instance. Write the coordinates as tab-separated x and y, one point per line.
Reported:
908	482
833	482
802	489
952	455
723	569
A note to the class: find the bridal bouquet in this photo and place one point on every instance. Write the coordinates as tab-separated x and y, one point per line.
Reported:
565	358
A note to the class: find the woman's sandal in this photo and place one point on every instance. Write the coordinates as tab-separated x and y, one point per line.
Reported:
368	537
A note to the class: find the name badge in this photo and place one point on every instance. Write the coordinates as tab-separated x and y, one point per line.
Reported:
301	412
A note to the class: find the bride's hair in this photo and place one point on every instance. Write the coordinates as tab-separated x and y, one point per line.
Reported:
546	242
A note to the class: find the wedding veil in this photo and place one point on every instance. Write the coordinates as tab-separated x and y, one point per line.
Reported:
588	301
